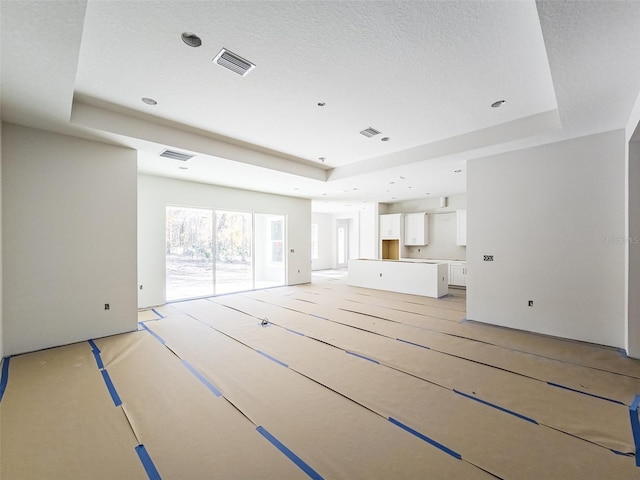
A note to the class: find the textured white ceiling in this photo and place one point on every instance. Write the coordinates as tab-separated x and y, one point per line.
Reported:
422	72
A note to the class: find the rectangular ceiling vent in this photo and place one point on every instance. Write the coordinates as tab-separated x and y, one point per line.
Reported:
233	62
183	157
370	132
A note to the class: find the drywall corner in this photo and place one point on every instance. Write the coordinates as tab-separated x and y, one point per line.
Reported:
552	219
69	244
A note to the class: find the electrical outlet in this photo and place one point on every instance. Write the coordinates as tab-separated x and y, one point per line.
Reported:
530	303
488	258
106	306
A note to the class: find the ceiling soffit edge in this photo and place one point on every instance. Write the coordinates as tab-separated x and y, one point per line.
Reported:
492	137
177	136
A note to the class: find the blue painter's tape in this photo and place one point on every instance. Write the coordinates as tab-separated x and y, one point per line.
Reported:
157	313
585	393
623	353
289	454
411	343
274	359
498	407
5	376
618	452
94	347
425	438
112	389
200	377
157	337
635	426
96	355
363	357
293	331
147	463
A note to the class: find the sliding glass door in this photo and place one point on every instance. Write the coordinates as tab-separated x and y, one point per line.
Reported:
212	253
189	254
233	265
270	250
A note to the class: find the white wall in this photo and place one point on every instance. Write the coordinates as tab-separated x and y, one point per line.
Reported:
369	229
443	227
1	308
553	217
69	246
633	249
155	193
326	241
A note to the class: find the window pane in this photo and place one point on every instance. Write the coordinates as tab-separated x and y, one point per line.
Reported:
234	268
189	254
270	258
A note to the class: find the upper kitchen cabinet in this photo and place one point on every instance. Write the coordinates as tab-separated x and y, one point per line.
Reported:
416	229
390	226
462	227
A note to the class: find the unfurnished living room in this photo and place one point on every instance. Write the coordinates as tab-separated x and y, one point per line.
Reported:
327	239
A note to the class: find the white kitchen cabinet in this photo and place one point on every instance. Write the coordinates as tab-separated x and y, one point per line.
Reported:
416	229
390	226
458	273
461	216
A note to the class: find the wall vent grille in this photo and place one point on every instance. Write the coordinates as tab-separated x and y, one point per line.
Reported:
233	62
183	157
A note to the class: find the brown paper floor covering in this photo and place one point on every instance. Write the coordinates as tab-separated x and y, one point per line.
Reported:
320	381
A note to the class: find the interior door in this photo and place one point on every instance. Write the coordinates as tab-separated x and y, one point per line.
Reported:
342	243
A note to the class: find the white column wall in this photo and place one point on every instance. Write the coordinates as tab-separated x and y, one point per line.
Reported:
633	251
69	246
553	217
1	288
155	193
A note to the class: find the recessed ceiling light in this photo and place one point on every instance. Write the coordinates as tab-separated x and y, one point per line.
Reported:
191	39
385	139
321	104
401	178
497	104
149	101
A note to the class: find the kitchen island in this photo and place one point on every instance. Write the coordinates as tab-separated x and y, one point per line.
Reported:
416	277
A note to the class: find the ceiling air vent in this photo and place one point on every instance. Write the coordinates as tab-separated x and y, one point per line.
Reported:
370	132
176	155
233	62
